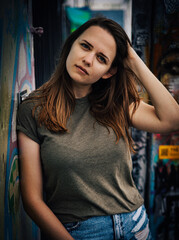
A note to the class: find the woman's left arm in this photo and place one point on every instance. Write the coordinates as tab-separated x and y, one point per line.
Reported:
163	116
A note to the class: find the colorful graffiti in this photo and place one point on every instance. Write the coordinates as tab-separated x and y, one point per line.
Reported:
139	160
164	195
17	74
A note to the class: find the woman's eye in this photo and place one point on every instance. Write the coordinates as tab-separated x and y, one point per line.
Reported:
101	59
84	45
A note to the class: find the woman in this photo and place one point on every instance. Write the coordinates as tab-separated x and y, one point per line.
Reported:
74	138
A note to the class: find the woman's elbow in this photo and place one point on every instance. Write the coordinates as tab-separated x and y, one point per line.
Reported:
30	200
31	205
171	126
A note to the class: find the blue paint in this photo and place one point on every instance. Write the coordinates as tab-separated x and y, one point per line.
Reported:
27	41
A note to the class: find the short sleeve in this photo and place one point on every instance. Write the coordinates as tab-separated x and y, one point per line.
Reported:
26	123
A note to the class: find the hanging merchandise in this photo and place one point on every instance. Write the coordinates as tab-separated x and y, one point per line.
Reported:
77	16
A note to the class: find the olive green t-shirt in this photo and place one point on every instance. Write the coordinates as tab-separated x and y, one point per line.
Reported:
85	172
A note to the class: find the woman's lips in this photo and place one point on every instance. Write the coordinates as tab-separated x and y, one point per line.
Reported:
83	70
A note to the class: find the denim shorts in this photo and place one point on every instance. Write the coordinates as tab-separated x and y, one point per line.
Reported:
126	226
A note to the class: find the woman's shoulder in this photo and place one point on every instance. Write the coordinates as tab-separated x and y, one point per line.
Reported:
27	117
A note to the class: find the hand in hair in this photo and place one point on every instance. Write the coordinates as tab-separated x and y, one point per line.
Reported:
163	116
132	56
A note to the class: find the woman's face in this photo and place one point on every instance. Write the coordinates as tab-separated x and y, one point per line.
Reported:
90	57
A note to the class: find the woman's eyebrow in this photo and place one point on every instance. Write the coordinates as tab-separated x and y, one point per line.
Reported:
87	43
93	47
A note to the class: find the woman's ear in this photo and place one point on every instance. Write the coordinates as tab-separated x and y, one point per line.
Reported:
110	73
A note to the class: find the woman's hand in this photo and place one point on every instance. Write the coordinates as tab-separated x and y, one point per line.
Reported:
131	58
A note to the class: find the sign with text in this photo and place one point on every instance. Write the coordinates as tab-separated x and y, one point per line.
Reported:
169	151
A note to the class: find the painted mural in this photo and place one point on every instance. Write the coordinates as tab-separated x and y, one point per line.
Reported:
16	74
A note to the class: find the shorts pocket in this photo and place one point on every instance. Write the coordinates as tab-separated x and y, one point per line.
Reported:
141	229
140	219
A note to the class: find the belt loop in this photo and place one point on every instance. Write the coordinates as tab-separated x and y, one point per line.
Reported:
117	226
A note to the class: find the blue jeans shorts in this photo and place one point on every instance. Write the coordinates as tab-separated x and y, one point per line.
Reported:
126	226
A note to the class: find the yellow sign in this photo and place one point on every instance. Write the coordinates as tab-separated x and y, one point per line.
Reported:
169	151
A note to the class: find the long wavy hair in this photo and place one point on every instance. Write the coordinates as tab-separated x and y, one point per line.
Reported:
109	98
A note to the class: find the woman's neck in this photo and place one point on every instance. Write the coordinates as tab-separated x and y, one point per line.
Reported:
81	91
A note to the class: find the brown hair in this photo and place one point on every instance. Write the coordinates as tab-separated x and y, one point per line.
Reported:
109	99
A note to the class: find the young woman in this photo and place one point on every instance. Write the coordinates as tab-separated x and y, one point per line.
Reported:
74	138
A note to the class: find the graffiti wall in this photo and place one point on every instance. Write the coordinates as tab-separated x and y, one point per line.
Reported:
155	35
16	75
141	26
164	184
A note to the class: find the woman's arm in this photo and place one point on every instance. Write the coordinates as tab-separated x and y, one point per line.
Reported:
32	190
163	116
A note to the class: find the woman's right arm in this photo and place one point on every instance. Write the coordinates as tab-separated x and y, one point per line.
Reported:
32	190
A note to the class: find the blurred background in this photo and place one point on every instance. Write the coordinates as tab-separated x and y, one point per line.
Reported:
32	34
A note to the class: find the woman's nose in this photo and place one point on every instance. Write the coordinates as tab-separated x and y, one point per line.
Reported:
88	59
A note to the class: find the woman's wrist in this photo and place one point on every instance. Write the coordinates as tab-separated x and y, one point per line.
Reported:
136	64
133	59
